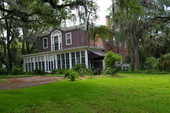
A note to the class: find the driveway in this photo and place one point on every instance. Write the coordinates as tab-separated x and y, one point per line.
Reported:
22	82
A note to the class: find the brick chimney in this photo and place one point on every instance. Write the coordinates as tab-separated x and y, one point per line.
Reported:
107	21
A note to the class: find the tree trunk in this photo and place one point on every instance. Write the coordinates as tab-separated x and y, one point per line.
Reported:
136	46
136	58
9	60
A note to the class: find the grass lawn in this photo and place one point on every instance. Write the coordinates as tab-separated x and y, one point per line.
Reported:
130	93
3	80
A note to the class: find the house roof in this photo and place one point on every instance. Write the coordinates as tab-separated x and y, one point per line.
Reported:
65	29
66	50
97	53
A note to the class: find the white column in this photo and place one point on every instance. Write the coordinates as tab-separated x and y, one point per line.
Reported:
75	57
42	62
61	61
80	57
56	65
34	62
47	59
65	59
86	59
29	67
24	66
45	63
70	62
30	64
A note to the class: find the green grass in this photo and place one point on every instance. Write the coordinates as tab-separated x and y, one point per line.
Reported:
3	80
128	93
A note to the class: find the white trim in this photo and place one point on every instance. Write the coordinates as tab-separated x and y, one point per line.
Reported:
43	43
24	65
65	50
70	60
86	59
56	65
66	38
45	63
80	58
53	34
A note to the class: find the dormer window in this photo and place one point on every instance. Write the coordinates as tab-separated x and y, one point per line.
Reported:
68	39
45	43
56	40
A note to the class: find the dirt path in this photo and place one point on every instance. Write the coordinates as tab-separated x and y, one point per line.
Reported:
22	82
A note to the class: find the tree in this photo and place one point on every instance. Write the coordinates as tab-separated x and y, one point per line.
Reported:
32	17
110	62
133	18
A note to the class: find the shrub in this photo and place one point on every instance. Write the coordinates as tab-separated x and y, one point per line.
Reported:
17	71
110	71
164	63
71	74
151	63
59	71
81	69
38	72
110	60
54	71
3	71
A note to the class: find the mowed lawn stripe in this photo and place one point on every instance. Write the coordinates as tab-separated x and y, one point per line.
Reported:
128	93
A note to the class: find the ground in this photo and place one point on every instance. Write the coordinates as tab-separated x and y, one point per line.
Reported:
22	82
127	93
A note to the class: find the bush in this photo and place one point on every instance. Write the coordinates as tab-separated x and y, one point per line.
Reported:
81	69
17	71
151	63
59	71
110	71
38	72
164	63
71	74
3	71
110	63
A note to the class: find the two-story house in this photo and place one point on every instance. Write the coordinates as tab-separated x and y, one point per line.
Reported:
66	47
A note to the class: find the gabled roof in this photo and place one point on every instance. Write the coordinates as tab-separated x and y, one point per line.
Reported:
65	29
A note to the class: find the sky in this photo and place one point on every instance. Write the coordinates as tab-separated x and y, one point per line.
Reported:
103	5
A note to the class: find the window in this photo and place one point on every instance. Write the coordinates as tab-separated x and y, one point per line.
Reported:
56	40
63	60
68	39
78	57
45	43
67	61
73	59
58	61
56	45
83	57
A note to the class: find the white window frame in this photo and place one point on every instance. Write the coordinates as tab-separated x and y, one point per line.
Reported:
43	43
53	34
67	38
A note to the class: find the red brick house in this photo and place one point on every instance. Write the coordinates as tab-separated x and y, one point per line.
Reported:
66	47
